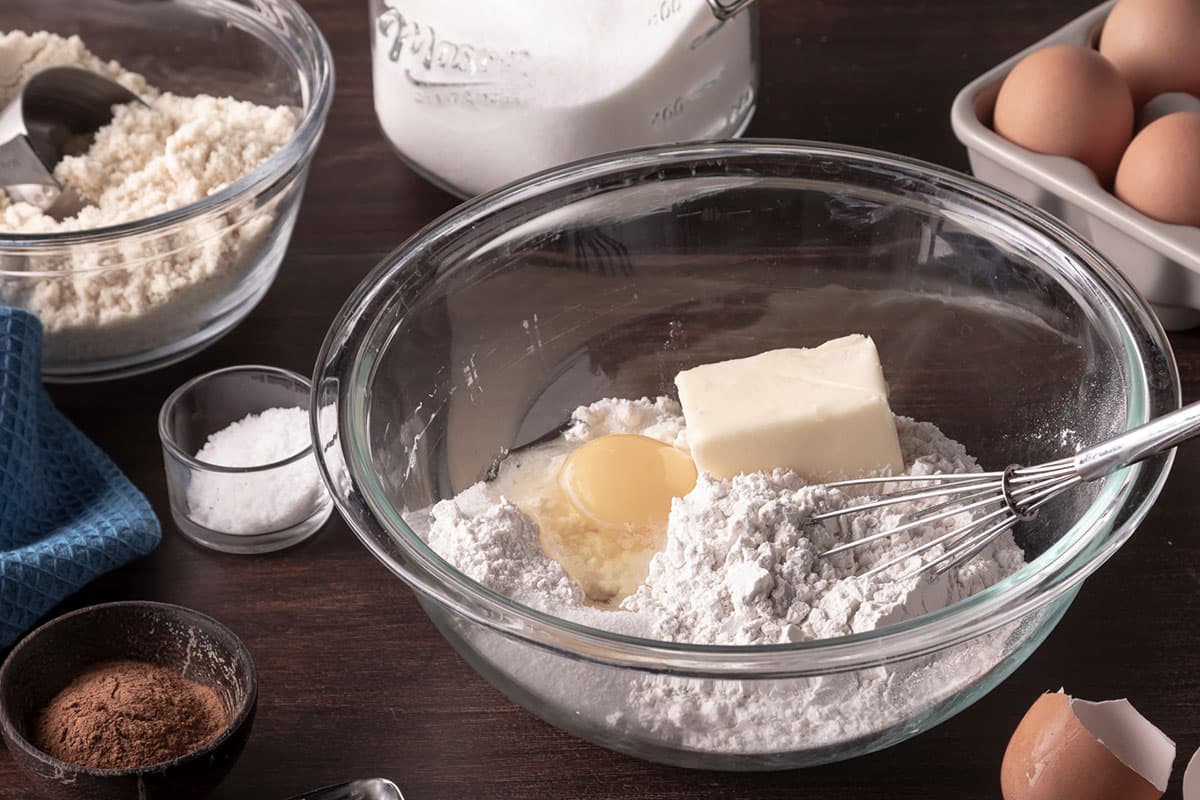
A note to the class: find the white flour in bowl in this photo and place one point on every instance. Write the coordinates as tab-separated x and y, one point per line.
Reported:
740	567
141	291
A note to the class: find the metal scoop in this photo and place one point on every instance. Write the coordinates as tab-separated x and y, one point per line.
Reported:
369	789
55	109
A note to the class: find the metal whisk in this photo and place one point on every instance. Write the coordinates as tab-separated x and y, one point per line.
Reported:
999	500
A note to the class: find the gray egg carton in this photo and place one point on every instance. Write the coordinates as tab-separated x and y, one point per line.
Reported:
1161	260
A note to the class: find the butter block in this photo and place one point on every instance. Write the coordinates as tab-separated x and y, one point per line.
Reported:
820	411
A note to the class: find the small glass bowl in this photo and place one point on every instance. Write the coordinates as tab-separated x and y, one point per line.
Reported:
134	297
208	404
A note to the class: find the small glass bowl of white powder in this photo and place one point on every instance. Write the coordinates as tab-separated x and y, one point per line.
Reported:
188	198
238	452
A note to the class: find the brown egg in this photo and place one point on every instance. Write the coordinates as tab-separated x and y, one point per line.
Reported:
1191	778
1155	44
1160	173
1066	748
1069	101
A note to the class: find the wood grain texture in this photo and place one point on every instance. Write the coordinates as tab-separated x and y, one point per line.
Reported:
356	682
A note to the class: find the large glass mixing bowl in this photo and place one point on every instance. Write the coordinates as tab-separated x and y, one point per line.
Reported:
607	277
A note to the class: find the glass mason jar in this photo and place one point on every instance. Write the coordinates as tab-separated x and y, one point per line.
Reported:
475	94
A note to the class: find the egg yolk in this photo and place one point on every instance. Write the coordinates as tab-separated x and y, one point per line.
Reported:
603	513
626	480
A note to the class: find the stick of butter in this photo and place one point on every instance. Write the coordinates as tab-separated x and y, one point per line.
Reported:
822	412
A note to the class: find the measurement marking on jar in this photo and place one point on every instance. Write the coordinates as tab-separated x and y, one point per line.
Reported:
742	104
671	111
665	10
467	98
428	84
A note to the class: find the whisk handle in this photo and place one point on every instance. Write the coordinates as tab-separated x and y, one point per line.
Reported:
1140	443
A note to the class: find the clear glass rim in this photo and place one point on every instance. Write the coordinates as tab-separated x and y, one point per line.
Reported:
251	539
346	362
317	84
168	407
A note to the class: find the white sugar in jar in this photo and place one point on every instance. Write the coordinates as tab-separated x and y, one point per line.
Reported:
476	93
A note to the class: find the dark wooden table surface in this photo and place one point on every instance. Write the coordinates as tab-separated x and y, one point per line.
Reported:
356	682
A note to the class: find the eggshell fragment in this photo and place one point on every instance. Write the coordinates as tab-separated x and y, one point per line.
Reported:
1160	172
1155	44
1068	748
1067	100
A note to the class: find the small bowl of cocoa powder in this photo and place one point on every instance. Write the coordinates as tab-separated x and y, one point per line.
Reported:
134	700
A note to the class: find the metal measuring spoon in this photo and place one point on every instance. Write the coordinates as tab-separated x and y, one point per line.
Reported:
55	107
369	789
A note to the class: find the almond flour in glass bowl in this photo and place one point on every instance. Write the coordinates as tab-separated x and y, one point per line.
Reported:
605	278
152	286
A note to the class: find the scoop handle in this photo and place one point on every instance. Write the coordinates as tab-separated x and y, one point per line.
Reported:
1139	443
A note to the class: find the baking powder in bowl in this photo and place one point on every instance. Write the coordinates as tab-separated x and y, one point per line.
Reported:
740	567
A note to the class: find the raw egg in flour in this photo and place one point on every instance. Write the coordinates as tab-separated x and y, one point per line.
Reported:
603	514
624	479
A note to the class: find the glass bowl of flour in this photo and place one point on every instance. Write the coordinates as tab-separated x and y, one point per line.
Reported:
561	309
188	199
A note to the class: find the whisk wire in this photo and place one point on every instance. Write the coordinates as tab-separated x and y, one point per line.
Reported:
1054	492
1020	491
907	526
941	478
944	539
1060	465
967	550
987	491
1029	498
909	495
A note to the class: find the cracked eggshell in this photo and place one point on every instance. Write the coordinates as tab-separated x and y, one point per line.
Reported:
1068	748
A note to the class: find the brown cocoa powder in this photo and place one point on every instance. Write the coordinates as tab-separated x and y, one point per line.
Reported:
128	714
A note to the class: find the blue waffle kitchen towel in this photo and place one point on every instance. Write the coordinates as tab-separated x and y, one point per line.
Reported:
67	514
